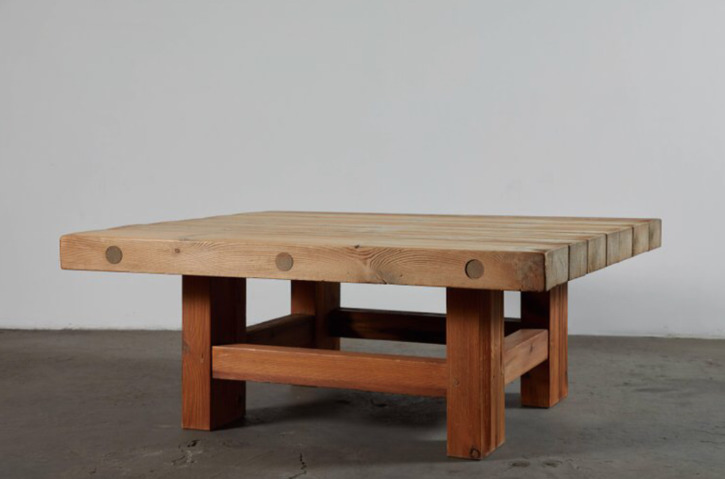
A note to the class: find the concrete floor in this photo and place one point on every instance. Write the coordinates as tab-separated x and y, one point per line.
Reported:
106	404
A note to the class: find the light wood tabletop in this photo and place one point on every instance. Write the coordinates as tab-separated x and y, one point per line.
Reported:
520	253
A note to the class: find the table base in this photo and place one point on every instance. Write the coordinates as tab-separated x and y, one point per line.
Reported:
484	352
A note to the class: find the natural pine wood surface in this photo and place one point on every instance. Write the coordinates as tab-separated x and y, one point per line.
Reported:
523	253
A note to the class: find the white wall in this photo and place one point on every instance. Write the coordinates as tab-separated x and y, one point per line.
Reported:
117	112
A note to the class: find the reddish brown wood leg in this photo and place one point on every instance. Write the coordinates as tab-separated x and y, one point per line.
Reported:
475	398
546	384
317	299
213	314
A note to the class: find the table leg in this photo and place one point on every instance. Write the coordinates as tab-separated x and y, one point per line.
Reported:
546	384
475	398
318	299
214	313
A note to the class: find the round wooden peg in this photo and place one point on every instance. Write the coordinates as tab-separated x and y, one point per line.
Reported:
474	269
284	261
114	255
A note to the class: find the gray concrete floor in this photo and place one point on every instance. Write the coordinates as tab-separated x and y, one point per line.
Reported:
106	404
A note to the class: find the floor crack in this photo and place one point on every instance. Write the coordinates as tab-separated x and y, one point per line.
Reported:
303	468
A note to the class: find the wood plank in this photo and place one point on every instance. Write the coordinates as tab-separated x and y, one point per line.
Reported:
557	267
524	270
446	229
296	330
547	384
549	232
475	400
640	238
524	350
317	299
477	222
578	259
397	218
655	234
596	253
503	226
213	313
534	226
333	369
518	253
619	246
388	325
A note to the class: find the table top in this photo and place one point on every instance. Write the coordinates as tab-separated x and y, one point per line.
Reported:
517	253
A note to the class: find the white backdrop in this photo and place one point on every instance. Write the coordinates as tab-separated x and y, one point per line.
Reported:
117	112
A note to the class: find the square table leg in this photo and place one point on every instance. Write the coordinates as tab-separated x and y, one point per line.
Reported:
547	384
317	299
474	349
214	313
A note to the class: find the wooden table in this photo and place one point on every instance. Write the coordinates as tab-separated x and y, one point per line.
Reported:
475	258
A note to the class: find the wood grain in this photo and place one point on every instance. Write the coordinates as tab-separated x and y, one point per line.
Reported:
524	350
517	253
389	325
655	234
213	312
619	246
334	369
547	384
396	325
640	238
317	299
475	400
296	330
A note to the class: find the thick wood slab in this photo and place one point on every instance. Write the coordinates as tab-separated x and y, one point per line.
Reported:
476	252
